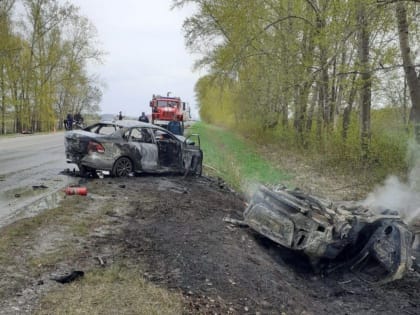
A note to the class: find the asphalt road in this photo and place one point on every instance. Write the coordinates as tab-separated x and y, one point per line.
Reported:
30	167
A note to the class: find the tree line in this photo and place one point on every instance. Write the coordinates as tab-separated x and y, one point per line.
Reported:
318	73
45	47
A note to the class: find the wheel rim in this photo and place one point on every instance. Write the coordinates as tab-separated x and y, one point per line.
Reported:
123	167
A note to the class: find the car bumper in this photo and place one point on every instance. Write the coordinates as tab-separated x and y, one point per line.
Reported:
92	160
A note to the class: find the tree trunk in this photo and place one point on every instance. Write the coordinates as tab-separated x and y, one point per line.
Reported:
332	103
413	81
3	101
366	90
311	111
349	108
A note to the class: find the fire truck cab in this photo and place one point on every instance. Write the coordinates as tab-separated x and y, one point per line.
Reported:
166	109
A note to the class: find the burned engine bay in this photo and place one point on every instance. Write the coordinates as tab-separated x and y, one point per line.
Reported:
333	235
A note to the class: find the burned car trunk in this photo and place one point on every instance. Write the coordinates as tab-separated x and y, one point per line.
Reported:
333	235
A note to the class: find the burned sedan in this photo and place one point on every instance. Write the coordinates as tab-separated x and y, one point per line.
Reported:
376	245
126	147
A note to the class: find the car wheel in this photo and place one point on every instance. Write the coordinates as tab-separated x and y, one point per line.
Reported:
122	167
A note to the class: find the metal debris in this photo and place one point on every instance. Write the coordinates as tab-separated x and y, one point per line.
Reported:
74	275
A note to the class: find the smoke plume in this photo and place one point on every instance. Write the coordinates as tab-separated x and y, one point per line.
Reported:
398	195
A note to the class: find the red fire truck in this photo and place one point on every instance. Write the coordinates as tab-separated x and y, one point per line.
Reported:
166	109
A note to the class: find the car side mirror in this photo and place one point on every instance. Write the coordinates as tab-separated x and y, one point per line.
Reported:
196	137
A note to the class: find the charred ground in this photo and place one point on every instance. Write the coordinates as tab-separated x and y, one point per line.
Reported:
173	228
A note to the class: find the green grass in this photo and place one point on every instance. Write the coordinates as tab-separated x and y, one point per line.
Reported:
234	158
119	289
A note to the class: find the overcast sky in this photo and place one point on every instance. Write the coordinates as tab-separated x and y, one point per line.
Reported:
146	53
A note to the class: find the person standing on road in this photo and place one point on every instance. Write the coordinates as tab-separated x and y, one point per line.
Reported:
69	121
143	118
120	116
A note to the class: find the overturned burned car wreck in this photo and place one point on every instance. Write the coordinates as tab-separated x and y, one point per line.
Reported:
377	246
125	147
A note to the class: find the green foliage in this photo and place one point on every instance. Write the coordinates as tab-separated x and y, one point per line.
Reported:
43	65
286	71
388	146
217	102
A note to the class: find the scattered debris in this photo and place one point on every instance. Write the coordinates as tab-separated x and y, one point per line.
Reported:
35	187
101	261
240	223
74	275
211	167
333	235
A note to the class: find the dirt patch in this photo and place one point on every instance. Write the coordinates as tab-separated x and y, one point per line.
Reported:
173	228
185	244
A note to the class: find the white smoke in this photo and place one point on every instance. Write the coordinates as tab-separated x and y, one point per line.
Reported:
397	195
249	188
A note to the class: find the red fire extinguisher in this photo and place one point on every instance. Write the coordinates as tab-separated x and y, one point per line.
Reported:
76	191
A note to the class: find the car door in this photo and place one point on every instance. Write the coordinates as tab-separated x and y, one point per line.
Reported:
169	149
141	140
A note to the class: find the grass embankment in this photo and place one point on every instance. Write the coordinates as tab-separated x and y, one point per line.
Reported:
234	159
240	161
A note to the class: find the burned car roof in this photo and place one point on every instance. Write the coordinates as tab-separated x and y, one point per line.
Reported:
333	235
133	123
125	123
123	147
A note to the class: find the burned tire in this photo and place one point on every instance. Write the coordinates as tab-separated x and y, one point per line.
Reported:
122	167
